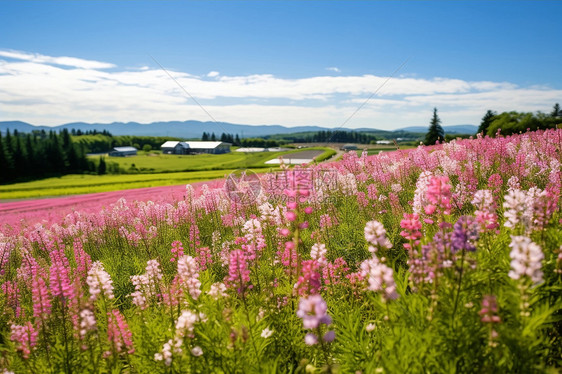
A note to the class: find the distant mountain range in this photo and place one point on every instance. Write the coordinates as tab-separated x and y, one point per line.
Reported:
194	129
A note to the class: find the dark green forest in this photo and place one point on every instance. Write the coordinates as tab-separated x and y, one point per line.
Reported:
337	136
40	154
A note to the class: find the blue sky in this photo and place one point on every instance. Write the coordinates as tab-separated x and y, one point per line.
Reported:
290	63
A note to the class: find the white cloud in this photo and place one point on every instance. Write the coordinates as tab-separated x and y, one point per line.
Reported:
334	69
65	61
53	90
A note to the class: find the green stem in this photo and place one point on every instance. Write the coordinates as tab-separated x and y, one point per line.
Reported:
458	287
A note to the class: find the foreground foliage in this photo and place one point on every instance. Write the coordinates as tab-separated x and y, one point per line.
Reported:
435	259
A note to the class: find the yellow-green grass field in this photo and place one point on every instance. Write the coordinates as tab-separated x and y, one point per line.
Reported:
375	150
203	168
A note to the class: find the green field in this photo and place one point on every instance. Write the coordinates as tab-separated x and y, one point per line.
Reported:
154	171
160	163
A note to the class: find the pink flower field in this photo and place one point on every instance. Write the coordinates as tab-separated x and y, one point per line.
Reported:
30	212
436	259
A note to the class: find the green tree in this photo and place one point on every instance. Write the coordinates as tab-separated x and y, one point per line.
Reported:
435	132
556	112
102	167
147	148
205	137
4	165
486	121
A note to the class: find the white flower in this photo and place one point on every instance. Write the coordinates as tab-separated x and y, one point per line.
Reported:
266	333
318	253
370	327
217	291
526	258
375	234
99	281
197	351
87	322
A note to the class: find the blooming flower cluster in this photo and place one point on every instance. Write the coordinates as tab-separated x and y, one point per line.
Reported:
526	258
375	234
99	281
313	311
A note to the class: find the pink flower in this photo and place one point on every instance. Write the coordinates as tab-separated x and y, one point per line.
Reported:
25	338
489	311
290	215
59	276
309	282
188	271
238	272
41	298
412	226
439	193
118	333
177	250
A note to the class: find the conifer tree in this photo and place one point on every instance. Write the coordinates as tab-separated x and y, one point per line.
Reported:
101	166
556	111
435	132
486	121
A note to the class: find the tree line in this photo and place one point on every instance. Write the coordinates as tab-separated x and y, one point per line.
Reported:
245	142
506	123
40	154
101	143
515	122
328	136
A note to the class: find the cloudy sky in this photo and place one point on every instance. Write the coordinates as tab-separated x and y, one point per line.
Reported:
289	63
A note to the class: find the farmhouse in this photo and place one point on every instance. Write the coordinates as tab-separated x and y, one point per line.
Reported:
209	147
123	151
175	148
349	147
182	148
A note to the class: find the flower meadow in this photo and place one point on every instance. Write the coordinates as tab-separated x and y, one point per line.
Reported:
436	259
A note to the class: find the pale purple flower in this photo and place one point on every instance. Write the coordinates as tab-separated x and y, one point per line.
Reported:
465	234
380	278
313	310
310	339
329	336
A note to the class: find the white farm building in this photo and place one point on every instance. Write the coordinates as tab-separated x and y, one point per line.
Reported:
123	151
189	147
